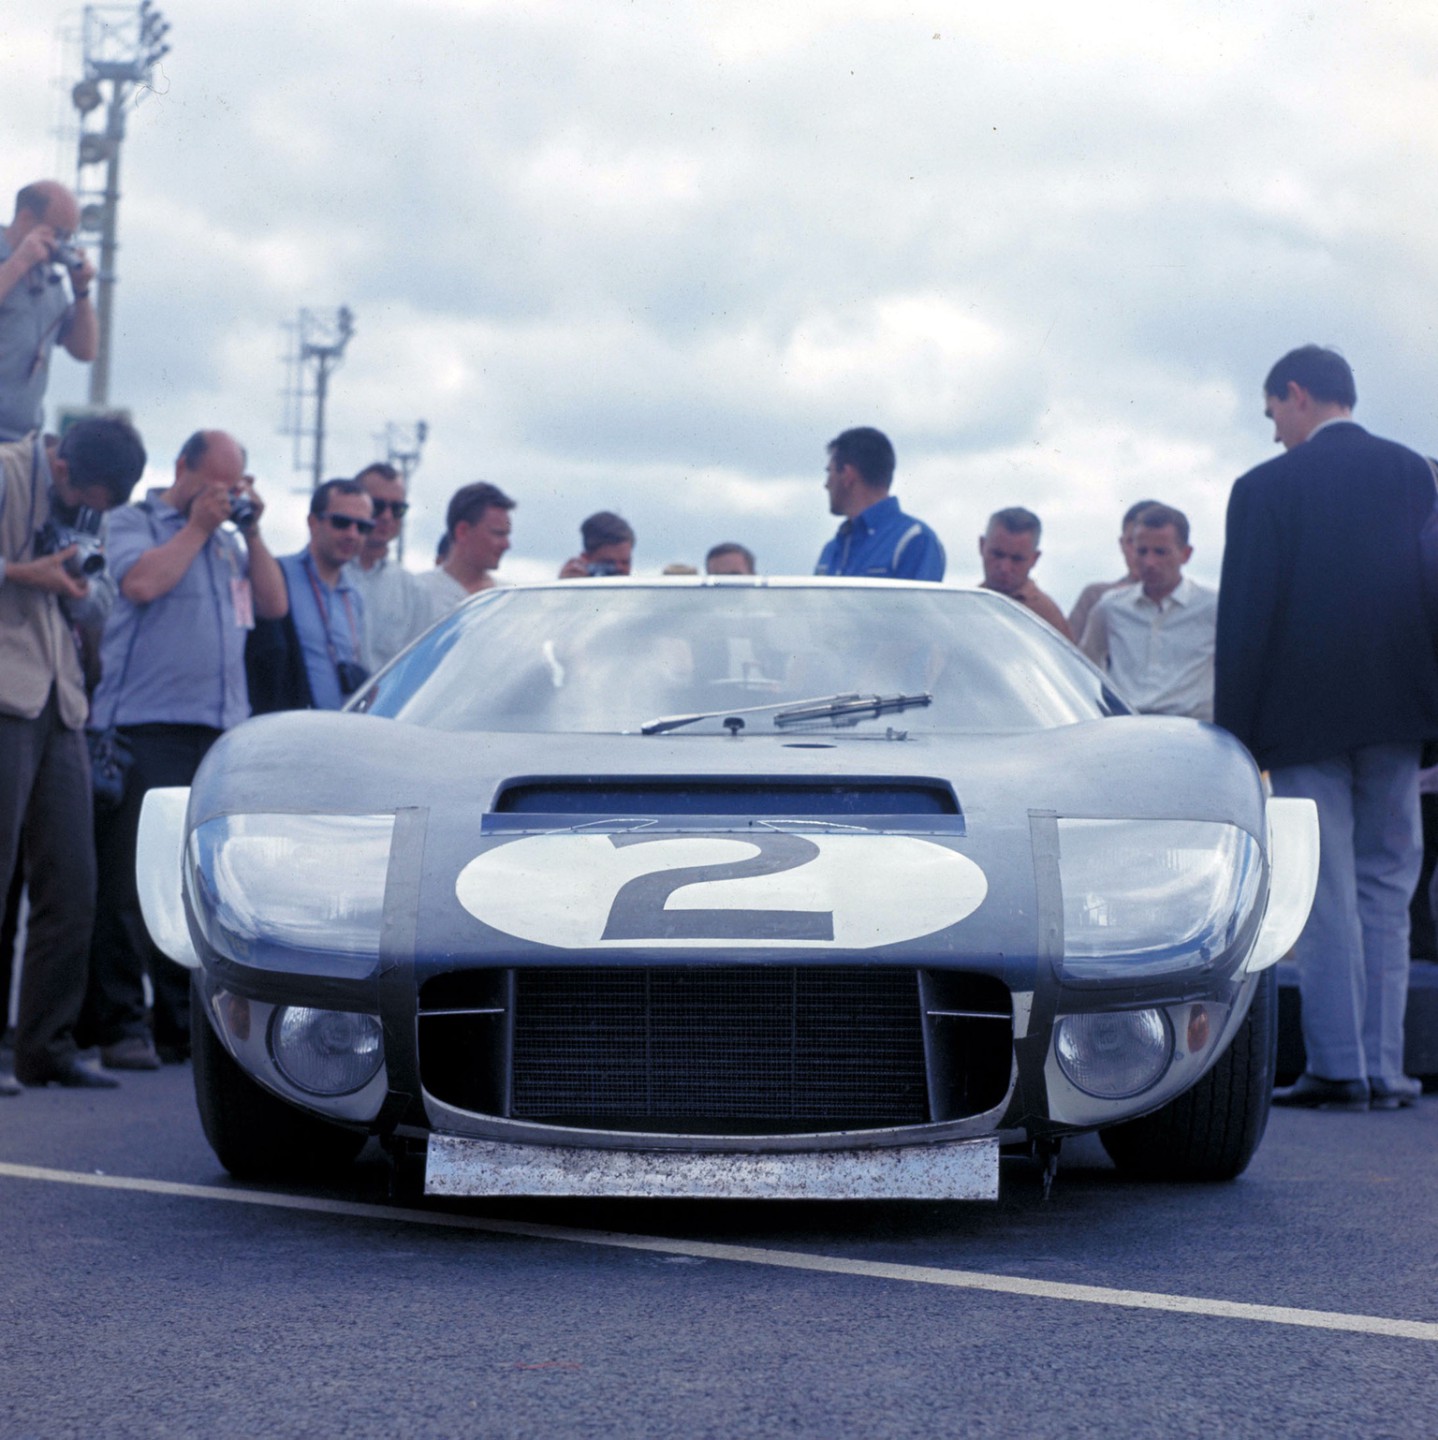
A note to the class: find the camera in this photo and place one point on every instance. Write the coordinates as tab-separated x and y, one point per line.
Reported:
83	533
66	253
242	510
350	675
601	568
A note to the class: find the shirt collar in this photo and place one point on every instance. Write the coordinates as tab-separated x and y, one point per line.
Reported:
870	519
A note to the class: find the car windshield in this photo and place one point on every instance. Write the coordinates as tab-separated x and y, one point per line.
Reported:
620	657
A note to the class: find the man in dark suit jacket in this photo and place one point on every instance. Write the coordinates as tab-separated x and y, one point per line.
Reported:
1326	670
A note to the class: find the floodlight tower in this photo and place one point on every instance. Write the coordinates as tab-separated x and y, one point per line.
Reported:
403	444
320	340
122	46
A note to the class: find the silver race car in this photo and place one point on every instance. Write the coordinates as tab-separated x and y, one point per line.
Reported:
729	888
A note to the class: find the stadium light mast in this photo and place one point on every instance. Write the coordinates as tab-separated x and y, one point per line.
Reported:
320	340
122	46
403	445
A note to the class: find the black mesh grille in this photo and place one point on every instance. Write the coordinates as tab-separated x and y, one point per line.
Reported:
742	1050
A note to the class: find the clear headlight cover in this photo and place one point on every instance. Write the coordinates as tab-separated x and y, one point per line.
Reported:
1145	898
299	883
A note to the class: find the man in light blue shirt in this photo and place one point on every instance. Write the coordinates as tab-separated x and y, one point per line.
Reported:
172	682
876	538
314	659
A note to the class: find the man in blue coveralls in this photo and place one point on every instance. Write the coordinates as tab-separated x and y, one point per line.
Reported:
876	538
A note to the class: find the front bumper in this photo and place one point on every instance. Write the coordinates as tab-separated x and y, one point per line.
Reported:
960	1170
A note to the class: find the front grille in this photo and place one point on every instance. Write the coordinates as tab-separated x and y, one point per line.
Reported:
742	1050
717	1049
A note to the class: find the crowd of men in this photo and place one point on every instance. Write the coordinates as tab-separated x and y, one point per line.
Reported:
1316	652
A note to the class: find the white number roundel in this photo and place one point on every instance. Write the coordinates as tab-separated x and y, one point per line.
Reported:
632	890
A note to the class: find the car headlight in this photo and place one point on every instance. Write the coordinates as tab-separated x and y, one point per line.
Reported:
1147	898
293	883
326	1052
1113	1055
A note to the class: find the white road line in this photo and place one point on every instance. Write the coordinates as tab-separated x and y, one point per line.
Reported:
752	1255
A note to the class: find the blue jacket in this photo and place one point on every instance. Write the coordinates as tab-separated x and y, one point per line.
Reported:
883	541
1324	642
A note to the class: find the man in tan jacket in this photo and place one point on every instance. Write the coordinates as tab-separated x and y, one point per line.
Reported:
44	763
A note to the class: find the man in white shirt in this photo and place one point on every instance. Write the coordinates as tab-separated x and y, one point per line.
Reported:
478	526
396	608
1156	638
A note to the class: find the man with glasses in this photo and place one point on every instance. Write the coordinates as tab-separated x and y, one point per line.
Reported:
35	312
193	573
312	658
396	609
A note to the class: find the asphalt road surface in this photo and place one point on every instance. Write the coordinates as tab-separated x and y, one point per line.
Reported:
146	1294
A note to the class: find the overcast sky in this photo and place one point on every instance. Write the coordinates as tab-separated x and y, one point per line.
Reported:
651	257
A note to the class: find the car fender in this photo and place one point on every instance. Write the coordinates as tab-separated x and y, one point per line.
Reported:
1293	878
159	872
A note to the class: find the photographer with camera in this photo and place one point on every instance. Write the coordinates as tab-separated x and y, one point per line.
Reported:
313	659
608	542
172	681
45	785
35	311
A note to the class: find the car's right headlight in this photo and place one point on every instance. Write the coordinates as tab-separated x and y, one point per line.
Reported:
1149	898
287	886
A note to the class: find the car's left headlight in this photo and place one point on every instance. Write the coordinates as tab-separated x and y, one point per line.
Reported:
1149	898
300	884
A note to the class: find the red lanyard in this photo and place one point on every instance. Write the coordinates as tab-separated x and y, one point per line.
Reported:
324	610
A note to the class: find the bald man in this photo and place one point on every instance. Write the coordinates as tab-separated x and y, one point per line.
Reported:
36	252
193	573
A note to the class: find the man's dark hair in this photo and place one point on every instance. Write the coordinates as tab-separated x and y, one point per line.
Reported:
33	198
469	502
1157	516
104	450
320	499
1325	374
731	547
869	452
1134	511
1018	521
604	528
382	468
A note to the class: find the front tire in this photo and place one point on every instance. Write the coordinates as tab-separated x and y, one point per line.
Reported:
1211	1131
255	1134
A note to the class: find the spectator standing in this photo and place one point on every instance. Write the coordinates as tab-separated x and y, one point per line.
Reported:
44	763
1009	550
311	659
35	313
172	681
396	608
729	558
477	525
1156	638
1089	595
1326	670
607	542
876	538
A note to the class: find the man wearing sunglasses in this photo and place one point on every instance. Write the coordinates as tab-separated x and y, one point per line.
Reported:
312	659
395	608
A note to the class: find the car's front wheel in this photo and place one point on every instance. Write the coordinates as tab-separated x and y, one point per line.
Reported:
255	1134
1211	1131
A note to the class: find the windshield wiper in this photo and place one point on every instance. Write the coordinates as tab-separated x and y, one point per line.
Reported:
850	709
845	709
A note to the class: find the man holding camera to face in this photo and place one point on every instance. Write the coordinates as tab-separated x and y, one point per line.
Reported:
193	573
45	792
35	311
